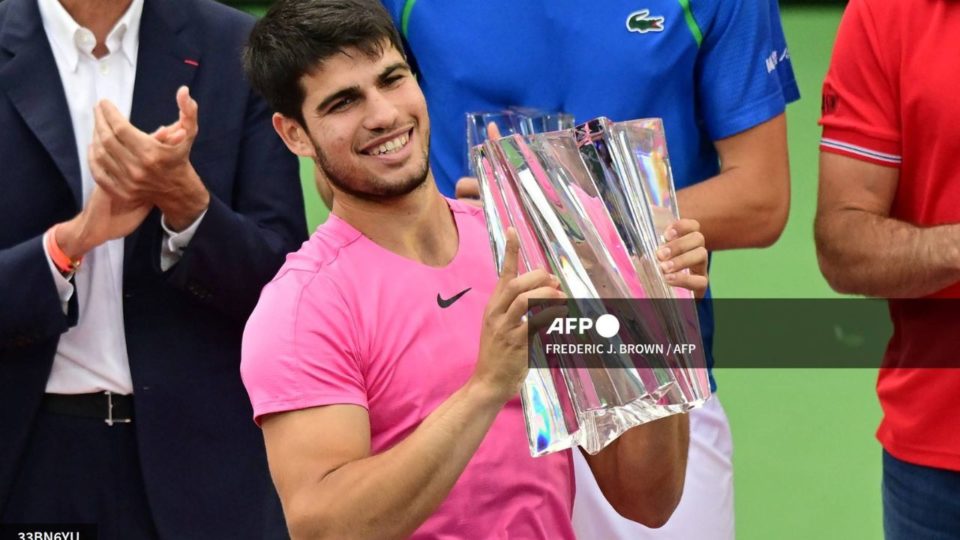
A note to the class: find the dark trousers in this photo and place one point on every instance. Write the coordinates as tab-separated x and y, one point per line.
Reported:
919	503
82	471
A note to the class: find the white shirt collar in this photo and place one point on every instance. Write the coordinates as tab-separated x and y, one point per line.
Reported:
71	39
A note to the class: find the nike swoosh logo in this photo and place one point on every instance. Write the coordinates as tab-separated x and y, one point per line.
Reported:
449	302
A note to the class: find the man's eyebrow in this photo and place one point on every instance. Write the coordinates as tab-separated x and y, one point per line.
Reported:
350	91
387	71
354	91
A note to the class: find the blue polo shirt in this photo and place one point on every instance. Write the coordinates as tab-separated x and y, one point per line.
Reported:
710	69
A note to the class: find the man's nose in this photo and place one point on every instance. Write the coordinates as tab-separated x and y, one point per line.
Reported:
382	113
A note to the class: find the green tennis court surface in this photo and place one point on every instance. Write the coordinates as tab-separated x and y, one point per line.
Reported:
807	464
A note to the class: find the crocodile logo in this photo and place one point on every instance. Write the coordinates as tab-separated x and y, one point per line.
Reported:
642	22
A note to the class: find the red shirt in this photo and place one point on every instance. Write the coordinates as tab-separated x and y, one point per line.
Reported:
892	97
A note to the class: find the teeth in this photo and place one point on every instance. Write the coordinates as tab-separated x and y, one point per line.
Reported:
390	146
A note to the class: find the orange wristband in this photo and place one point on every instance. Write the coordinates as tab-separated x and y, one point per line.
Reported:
64	263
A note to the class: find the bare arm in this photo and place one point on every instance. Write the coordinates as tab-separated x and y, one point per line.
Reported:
320	459
747	203
862	250
641	473
332	487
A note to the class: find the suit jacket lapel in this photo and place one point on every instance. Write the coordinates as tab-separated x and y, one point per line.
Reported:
168	58
32	82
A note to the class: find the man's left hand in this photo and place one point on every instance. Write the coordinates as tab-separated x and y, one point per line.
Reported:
683	258
154	168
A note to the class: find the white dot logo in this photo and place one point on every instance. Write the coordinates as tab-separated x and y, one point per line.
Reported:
607	325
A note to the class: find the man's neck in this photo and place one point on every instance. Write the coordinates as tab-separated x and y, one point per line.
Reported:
418	226
99	16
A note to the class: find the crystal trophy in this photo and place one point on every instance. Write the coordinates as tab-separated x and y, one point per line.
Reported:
590	205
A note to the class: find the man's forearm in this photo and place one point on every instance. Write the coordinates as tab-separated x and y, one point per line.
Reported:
732	214
747	203
641	473
390	494
184	207
864	253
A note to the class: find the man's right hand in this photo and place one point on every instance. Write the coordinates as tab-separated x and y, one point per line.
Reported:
139	167
103	218
502	362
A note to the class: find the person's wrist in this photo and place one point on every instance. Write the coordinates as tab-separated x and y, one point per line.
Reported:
72	239
182	209
488	392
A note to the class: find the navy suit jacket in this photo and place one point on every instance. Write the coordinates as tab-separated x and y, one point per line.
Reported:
202	457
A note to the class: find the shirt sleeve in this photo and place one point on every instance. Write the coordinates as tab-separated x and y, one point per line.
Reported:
64	287
299	347
788	81
860	115
171	249
738	85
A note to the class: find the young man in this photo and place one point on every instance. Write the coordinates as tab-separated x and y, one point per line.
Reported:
384	361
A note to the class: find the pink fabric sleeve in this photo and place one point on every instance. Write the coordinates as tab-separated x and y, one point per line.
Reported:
299	347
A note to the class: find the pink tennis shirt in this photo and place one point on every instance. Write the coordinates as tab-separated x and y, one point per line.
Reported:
346	321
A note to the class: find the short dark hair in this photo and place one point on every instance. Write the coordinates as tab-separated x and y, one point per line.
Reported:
296	36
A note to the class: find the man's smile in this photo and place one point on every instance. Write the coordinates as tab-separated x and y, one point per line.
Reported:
389	144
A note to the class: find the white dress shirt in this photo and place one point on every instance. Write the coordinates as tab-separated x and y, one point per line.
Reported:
92	356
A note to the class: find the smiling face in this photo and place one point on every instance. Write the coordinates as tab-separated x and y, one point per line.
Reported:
366	124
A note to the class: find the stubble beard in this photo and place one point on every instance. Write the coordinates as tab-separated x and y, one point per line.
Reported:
373	189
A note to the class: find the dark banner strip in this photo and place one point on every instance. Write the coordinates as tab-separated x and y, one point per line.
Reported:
785	333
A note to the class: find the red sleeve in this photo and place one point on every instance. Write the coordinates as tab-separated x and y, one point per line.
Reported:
861	101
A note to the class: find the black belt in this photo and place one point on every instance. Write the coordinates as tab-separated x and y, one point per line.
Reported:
109	407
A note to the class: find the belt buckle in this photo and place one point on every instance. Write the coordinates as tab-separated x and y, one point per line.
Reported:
110	421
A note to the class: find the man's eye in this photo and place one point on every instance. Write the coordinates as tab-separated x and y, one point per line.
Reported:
393	80
341	104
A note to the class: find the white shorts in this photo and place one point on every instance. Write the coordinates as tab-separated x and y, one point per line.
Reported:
705	511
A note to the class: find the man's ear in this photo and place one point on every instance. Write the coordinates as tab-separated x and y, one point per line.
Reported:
293	135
